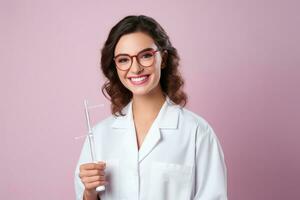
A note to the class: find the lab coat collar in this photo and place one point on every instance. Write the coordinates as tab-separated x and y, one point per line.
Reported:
167	117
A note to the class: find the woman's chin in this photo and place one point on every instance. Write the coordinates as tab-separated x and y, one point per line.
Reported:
139	92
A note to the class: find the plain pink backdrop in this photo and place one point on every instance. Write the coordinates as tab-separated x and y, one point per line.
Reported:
240	60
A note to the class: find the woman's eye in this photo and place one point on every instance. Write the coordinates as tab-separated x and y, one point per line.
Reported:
122	60
147	55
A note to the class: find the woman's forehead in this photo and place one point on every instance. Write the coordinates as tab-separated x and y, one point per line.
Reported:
133	43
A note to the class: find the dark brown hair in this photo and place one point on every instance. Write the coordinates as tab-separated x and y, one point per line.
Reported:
171	81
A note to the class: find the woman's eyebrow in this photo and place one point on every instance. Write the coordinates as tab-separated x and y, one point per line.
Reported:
146	49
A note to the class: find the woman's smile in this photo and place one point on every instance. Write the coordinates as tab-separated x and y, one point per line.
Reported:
139	80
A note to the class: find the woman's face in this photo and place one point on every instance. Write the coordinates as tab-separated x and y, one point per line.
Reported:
138	79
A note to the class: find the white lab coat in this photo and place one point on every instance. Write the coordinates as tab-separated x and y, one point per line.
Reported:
180	158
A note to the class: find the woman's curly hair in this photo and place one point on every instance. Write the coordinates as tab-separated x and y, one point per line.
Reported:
171	81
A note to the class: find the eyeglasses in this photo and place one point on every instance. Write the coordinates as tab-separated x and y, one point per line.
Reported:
144	58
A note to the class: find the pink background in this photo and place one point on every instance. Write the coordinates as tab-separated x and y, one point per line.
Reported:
240	60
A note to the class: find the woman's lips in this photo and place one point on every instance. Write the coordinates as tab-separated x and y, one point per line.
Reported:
140	80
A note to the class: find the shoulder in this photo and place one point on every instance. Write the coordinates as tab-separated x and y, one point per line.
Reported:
113	120
203	132
188	120
103	124
193	118
195	121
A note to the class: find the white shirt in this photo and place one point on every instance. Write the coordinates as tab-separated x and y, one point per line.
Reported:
180	158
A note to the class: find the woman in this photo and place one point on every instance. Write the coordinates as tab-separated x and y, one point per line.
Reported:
151	148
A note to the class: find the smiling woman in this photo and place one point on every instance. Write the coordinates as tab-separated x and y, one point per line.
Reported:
132	35
145	71
151	147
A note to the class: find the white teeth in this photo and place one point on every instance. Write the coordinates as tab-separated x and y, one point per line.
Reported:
138	79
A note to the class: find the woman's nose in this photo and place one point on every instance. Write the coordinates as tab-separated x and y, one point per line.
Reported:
135	66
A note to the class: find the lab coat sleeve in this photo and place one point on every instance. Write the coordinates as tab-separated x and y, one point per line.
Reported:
84	157
211	172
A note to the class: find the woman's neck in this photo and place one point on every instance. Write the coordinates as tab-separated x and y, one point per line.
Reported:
148	106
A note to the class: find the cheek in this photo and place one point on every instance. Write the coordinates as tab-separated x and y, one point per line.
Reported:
157	70
121	75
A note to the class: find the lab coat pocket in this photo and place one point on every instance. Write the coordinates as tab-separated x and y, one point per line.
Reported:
170	181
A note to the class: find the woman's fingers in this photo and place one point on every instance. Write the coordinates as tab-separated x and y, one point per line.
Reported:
94	185
91	173
91	166
91	169
93	179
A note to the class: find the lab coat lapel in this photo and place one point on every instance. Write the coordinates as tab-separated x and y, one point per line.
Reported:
167	118
151	140
126	125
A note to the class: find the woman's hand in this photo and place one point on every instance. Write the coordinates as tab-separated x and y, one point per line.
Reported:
92	175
